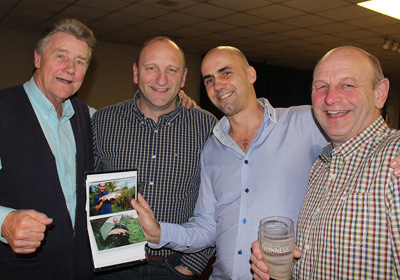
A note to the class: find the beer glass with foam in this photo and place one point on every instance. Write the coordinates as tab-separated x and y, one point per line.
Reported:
276	235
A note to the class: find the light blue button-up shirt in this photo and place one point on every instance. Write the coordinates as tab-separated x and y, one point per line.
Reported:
238	189
60	137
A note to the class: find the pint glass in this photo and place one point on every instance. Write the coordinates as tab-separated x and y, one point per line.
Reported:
276	235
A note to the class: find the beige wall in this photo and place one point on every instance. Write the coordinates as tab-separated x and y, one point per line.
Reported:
110	79
110	76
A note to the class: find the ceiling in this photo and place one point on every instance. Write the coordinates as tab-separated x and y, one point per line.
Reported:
290	33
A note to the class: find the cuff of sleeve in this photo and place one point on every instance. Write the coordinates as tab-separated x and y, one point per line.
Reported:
163	238
4	211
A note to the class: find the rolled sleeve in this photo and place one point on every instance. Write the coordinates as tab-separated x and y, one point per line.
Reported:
4	211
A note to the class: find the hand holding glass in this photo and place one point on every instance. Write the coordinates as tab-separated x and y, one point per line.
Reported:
276	235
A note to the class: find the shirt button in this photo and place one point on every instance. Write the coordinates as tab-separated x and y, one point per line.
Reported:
151	183
246	161
240	252
307	247
155	131
246	190
153	156
244	221
66	178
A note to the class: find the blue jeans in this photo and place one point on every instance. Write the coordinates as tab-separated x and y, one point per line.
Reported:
155	270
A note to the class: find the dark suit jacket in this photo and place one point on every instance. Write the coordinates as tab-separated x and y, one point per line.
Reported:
29	180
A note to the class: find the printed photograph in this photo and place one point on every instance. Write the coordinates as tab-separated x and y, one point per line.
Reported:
110	197
116	231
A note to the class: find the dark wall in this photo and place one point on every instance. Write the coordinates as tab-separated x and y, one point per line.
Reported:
283	87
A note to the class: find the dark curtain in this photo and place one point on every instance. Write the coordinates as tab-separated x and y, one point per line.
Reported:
283	87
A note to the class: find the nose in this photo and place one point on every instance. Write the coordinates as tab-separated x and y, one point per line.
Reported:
70	66
332	96
219	84
161	78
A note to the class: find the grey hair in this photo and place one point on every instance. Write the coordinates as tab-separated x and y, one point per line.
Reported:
69	26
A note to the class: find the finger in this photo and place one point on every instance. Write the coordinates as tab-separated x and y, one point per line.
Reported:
143	202
297	253
137	206
393	163
258	274
24	246
256	250
40	217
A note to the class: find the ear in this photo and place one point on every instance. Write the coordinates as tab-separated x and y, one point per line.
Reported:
135	74
38	58
381	93
252	74
184	78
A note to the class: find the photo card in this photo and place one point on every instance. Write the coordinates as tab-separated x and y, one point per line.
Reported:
115	233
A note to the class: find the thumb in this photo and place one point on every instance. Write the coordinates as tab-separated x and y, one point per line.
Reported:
297	253
139	204
41	218
143	202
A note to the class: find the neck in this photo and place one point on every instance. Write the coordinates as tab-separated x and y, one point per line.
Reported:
244	126
57	103
154	112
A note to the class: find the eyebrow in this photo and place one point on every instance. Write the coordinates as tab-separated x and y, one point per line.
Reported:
218	71
66	51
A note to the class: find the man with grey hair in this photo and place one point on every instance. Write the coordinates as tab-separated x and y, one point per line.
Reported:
46	146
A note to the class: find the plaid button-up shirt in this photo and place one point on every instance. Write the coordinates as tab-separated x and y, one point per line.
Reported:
348	226
167	155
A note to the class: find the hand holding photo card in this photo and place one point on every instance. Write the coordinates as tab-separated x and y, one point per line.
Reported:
115	234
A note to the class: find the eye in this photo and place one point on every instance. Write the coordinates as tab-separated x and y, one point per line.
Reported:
60	56
227	73
320	87
151	68
172	70
208	81
348	86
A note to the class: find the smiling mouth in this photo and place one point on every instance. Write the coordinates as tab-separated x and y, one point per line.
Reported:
333	113
224	96
64	81
160	89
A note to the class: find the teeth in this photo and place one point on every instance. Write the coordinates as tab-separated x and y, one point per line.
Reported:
336	112
224	96
160	89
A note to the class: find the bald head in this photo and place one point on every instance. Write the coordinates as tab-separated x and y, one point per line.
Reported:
234	53
229	80
365	57
348	92
161	39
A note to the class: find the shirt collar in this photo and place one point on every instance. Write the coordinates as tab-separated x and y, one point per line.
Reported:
42	105
374	130
222	127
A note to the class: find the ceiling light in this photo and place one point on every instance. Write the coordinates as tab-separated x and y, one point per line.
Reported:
395	46
387	44
387	7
